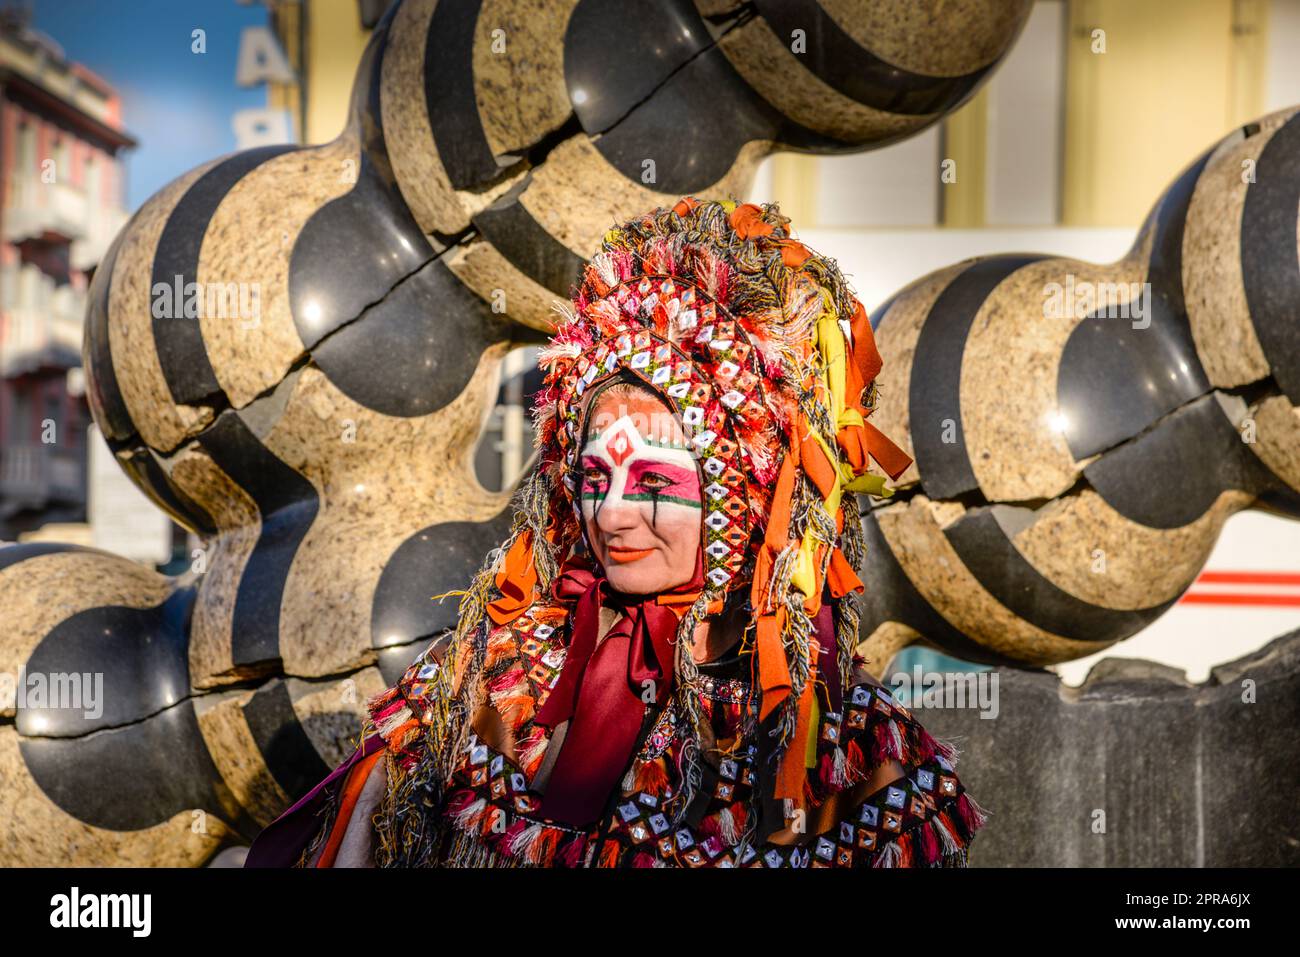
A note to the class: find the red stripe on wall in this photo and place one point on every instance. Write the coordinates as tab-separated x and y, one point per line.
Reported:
1249	578
1236	598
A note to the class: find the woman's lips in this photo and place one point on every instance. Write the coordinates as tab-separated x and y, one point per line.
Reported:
623	555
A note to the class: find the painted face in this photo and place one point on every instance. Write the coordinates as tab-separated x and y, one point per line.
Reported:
640	497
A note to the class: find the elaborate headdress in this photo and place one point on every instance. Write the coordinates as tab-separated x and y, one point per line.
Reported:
761	350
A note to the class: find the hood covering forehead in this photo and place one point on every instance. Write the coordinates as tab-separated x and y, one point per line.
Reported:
759	348
699	360
749	353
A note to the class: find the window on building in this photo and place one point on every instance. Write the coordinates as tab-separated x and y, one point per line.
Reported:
27	165
90	181
20	423
63	160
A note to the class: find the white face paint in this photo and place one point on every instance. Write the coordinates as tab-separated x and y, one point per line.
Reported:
641	505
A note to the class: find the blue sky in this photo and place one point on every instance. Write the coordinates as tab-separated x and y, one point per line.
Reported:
176	103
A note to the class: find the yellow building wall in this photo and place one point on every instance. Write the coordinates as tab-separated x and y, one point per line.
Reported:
335	42
1176	75
965	142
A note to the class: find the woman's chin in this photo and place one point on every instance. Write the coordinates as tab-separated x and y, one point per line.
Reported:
630	583
638	581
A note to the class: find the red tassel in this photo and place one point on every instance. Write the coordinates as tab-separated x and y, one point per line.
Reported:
459	801
946	750
399	737
952	828
531	751
643	860
547	842
609	854
507	681
377	702
885	745
572	853
826	771
925	745
381	705
905	850
651	777
390	708
854	761
971	815
500	646
511	698
503	841
908	745
929	843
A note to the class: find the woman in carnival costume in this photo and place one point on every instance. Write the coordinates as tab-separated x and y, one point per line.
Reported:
658	667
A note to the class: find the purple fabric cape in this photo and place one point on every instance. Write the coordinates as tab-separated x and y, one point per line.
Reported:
282	841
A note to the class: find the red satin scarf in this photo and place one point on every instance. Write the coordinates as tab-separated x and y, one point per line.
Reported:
606	687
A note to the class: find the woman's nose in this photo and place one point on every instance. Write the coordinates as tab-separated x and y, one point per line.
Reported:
616	514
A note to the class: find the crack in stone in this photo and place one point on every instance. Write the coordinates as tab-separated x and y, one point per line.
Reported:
1251	393
197	694
254	685
304	358
742	17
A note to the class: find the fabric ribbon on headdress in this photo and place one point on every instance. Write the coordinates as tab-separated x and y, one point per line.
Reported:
516	581
773	670
843	375
605	686
823	691
856	436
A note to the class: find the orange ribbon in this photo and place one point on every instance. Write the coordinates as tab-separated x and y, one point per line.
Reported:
889	456
866	357
685	205
747	221
352	785
773	670
793	253
816	465
841	576
791	773
517	581
859	442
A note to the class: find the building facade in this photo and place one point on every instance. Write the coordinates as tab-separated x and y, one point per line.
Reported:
61	203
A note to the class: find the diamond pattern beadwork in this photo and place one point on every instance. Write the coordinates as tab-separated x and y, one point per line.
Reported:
679	341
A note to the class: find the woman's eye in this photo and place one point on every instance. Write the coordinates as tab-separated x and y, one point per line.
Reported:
654	480
593	476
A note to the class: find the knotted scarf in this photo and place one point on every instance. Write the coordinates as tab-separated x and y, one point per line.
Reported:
605	687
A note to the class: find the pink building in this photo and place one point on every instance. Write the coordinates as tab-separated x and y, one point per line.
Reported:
61	203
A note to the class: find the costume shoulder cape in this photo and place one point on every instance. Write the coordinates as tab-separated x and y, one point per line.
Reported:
489	816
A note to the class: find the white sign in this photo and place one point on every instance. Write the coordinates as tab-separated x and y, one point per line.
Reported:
261	60
122	519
